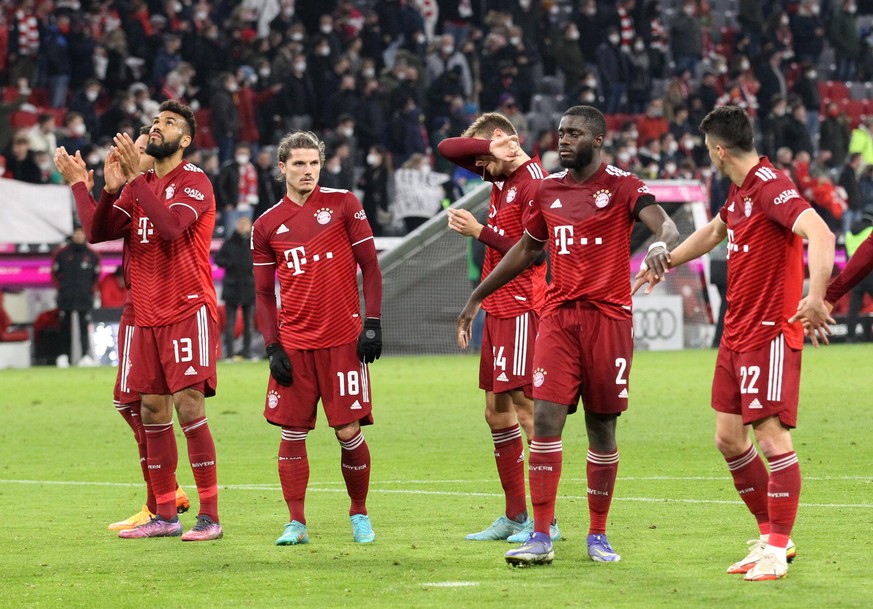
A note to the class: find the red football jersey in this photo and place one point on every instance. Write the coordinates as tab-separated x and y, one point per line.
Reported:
509	200
311	246
170	280
765	259
588	226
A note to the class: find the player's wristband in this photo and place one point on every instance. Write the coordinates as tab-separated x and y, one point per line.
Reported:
657	244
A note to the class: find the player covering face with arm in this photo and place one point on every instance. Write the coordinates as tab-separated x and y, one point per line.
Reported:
757	376
314	240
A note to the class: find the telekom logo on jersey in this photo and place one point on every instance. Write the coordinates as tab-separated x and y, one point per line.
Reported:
296	258
564	238
145	230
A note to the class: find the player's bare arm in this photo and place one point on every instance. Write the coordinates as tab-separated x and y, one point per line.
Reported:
700	242
463	222
521	256
666	236
813	310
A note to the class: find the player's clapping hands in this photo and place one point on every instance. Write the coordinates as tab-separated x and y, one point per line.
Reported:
73	168
127	153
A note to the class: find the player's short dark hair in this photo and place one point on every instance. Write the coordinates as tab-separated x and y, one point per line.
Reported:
182	110
592	116
731	126
485	125
297	140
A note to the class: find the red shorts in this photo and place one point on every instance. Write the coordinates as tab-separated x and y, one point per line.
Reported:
167	359
122	394
334	375
583	353
506	361
758	384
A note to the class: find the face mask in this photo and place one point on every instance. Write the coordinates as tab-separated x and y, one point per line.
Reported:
288	13
324	51
639	47
420	39
368	73
631	150
448	49
372	159
575	36
91	95
851	9
78	130
784	21
300	66
93	159
670	167
688	10
297	36
201	15
634	135
744	65
688	144
525	4
242	159
515	41
613	39
264	73
346	132
589	98
334	169
591	83
672	147
129	108
45	165
326	29
815	9
623	157
233	87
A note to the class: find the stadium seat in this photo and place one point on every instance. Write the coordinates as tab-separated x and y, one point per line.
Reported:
838	90
856	109
20	119
824	90
7	334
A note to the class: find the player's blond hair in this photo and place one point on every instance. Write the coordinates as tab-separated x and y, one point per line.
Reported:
485	125
298	140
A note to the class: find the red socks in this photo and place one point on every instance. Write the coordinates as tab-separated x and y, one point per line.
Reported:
201	453
751	480
602	469
544	470
294	470
355	460
509	455
783	495
162	458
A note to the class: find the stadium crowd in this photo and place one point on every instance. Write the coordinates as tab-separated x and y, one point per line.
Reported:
384	80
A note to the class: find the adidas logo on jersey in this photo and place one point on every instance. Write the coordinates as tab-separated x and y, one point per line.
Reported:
623	393
355	406
282	229
755	404
556	204
502	377
191	371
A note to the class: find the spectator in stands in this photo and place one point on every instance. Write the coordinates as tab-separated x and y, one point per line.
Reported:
769	74
614	70
405	136
686	38
55	59
8	107
75	270
844	37
640	87
654	33
568	55
113	290
371	118
236	188
167	59
750	16
418	191
859	232
373	183
299	102
122	110
85	101
238	286
650	157
443	58
849	182
835	133
225	117
808	31
679	124
709	91
652	123
774	126
75	134
47	170
42	135
20	163
862	140
269	192
806	88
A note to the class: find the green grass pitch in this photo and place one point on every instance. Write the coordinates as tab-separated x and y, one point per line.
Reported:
68	467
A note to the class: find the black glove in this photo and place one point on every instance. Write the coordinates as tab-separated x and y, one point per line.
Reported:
370	341
280	365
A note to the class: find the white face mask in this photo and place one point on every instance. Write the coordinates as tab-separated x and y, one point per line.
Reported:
448	49
591	83
672	147
812	75
614	39
297	36
326	29
264	73
346	132
623	156
91	95
368	73
334	169
242	159
575	36
688	10
373	159
744	65
670	168
78	130
324	51
129	108
93	159
300	66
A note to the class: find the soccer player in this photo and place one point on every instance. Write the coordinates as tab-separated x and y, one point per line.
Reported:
757	372
314	239
490	147
584	347
169	215
127	402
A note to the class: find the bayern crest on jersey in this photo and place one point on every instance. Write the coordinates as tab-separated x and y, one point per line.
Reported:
539	377
601	198
323	215
272	399
747	206
510	196
171	190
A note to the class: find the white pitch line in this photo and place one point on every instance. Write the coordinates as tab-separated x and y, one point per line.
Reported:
450	584
273	487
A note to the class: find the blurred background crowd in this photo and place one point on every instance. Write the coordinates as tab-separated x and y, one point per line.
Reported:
383	81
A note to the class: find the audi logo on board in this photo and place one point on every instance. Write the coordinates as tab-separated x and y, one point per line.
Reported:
651	324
